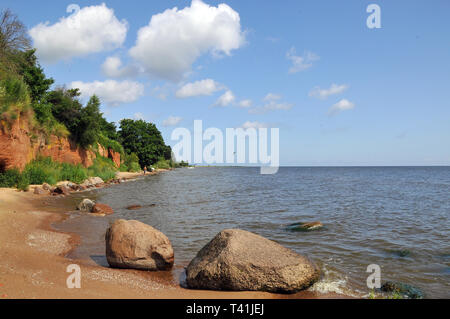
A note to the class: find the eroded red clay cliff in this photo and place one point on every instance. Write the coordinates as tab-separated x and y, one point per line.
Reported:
17	148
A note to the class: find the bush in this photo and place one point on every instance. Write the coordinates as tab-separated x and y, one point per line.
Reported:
163	164
131	162
103	167
108	143
9	178
44	170
134	167
123	168
23	183
14	92
73	173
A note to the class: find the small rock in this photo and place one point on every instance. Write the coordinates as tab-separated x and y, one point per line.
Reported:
46	187
96	181
40	191
302	226
102	209
399	252
86	205
240	260
132	244
61	190
405	290
134	207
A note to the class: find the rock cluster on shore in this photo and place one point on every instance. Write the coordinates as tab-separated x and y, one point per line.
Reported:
132	244
65	188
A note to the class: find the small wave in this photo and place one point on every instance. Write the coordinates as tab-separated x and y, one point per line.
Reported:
333	282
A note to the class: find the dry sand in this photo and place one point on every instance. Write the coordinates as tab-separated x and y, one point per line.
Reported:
33	262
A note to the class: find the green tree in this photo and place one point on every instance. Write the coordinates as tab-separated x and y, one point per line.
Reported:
109	129
89	125
33	75
143	139
66	108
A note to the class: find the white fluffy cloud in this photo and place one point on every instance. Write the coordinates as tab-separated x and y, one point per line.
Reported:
272	97
245	103
301	63
112	67
254	124
272	103
91	29
168	46
325	93
340	106
111	91
225	99
202	87
172	121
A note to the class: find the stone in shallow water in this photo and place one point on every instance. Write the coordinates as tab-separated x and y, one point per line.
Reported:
399	252
240	260
132	244
305	226
102	209
86	205
405	290
134	207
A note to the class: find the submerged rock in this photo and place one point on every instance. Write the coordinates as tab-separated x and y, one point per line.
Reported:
102	209
86	205
302	226
240	260
405	290
399	252
132	244
134	207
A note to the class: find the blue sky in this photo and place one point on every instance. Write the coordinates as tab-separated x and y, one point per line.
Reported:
391	85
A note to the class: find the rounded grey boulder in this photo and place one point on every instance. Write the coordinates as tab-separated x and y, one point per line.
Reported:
132	244
240	260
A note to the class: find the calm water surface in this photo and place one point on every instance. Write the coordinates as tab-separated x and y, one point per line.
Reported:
396	217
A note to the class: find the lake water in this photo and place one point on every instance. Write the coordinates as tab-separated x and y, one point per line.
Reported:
396	217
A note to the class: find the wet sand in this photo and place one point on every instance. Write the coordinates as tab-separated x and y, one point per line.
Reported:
34	258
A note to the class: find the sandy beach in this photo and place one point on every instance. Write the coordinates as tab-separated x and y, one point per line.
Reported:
33	262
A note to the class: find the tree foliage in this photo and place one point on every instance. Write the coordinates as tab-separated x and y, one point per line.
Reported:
145	140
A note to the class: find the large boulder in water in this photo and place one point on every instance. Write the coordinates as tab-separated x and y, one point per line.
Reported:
240	260
132	244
